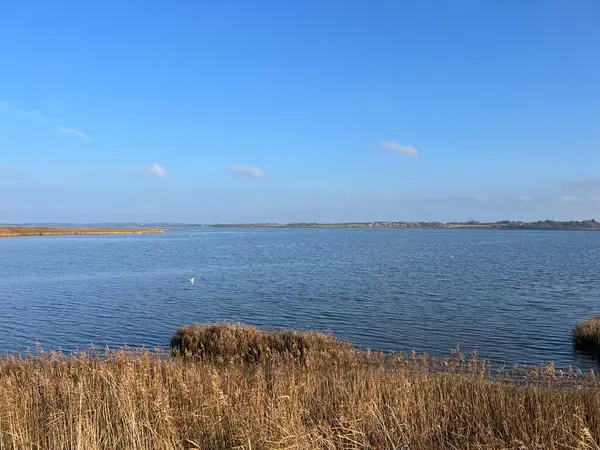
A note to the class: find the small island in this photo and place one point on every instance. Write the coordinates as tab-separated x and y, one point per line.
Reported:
14	231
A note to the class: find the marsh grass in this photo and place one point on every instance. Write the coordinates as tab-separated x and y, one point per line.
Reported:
232	341
586	335
14	231
357	400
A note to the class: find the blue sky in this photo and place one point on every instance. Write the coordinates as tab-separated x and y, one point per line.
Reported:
299	111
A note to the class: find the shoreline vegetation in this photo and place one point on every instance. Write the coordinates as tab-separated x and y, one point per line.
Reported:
160	227
584	225
233	386
14	231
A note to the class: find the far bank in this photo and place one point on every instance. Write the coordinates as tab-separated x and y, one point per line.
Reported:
51	231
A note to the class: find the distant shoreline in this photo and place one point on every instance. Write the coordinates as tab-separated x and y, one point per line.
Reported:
57	229
547	225
51	231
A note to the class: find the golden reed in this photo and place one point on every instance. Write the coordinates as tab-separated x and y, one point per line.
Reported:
263	392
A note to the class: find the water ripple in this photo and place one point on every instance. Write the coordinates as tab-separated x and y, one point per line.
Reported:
514	295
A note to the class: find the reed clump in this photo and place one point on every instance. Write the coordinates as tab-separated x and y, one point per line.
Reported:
586	335
233	341
120	399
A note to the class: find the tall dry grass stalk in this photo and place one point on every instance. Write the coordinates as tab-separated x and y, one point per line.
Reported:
148	400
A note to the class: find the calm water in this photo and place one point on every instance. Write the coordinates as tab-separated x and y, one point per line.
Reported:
512	295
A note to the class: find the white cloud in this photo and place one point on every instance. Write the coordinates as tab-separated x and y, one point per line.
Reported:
405	150
252	172
594	198
569	199
73	132
501	200
480	198
525	198
156	170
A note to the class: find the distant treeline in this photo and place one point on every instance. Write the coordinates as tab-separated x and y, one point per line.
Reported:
591	224
550	225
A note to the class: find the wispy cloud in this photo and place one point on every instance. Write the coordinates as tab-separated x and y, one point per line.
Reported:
249	171
73	132
9	169
35	116
594	198
10	172
480	198
569	199
437	197
585	182
404	150
525	198
156	170
30	115
501	201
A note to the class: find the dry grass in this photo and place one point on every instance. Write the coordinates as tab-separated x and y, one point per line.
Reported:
50	231
586	335
148	400
233	341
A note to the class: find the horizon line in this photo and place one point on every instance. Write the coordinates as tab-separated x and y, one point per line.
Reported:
360	222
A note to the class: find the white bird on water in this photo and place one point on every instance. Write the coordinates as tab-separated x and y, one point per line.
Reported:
192	281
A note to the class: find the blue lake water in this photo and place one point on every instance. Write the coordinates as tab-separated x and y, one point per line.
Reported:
513	295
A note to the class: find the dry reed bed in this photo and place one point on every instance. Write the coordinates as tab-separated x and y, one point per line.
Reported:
50	231
231	341
586	335
350	400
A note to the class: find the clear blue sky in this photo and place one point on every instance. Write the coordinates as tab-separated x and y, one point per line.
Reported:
299	110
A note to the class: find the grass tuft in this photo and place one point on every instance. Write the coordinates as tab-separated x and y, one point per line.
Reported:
586	335
237	341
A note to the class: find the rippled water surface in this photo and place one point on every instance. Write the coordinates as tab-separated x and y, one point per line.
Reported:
513	295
